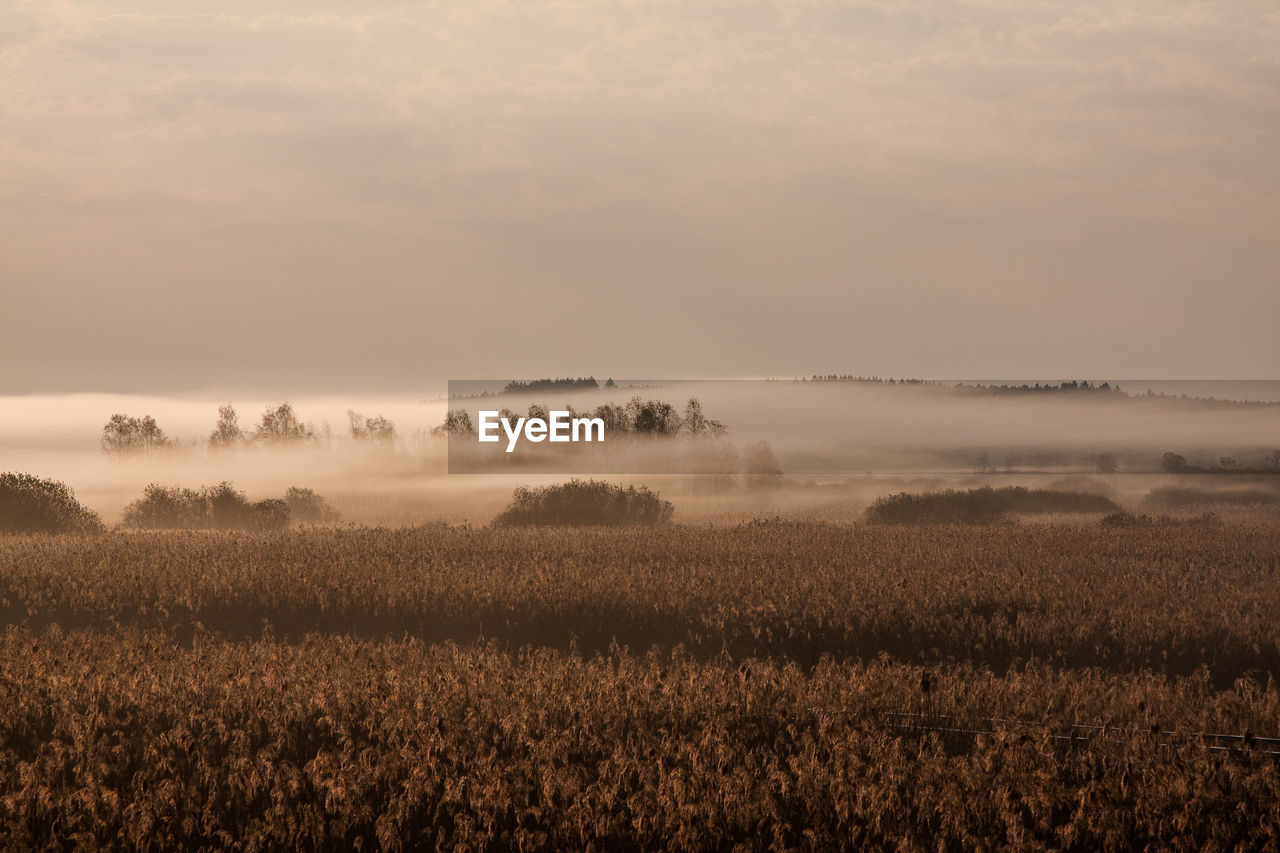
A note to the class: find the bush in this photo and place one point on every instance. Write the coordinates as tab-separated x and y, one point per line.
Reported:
1175	497
219	507
269	514
1127	519
981	506
306	505
29	504
585	502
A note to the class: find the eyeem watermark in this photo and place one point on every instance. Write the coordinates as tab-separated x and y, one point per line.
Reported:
559	426
623	427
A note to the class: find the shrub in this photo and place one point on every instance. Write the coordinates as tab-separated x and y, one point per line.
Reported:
269	514
220	507
585	502
29	504
1126	519
981	506
306	505
1175	497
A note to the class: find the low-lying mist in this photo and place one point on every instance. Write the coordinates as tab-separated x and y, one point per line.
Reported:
840	445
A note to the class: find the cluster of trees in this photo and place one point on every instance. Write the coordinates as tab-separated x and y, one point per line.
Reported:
568	383
378	430
123	434
279	426
1176	463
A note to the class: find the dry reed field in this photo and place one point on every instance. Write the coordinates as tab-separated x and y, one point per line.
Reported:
769	685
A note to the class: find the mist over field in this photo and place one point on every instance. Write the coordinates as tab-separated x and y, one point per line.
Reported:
840	445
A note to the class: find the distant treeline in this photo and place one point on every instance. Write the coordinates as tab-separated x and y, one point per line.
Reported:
581	383
1176	463
876	380
1070	387
1084	386
1073	385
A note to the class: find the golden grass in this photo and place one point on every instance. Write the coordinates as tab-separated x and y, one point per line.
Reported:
304	688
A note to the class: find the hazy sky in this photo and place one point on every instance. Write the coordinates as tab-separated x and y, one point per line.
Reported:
319	196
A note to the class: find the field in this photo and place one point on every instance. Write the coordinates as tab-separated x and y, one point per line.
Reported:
770	684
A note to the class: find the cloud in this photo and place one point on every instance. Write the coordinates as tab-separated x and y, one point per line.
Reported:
915	158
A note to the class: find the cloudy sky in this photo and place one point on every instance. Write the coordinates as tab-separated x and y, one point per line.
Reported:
318	196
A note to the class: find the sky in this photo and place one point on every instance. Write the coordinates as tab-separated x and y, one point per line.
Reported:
319	197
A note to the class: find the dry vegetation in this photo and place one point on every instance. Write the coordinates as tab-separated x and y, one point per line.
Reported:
336	743
983	505
495	687
585	503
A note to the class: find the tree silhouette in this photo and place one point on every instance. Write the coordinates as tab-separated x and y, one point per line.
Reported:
227	432
697	424
124	435
280	425
653	417
378	430
762	468
457	422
